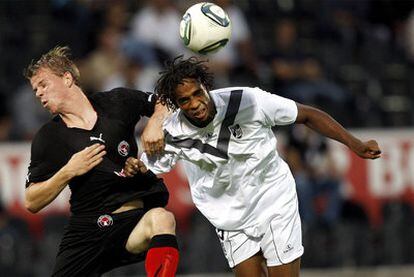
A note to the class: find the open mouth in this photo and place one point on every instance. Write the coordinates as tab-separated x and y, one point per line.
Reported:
200	114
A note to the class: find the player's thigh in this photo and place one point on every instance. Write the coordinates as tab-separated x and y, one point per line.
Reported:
252	267
155	221
291	269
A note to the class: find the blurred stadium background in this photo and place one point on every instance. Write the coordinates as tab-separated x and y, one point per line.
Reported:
352	58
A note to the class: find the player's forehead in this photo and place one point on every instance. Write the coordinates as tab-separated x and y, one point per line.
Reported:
40	75
187	86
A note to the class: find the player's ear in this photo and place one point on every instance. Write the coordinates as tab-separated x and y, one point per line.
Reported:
68	79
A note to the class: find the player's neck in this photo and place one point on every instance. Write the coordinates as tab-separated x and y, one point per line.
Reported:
79	112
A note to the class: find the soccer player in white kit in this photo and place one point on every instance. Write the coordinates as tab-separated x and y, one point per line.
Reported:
237	179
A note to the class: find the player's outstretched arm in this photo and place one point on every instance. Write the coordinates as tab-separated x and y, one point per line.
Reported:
39	195
324	124
152	137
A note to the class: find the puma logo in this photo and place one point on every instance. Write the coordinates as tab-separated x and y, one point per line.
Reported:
98	139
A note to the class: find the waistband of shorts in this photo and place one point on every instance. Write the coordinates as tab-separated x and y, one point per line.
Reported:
92	218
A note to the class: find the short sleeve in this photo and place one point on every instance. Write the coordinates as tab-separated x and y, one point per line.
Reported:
126	104
44	162
137	101
275	109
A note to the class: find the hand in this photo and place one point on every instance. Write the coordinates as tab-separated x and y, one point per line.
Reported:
368	150
83	161
133	166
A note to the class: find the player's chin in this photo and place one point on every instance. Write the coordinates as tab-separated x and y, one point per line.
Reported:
52	111
201	119
200	122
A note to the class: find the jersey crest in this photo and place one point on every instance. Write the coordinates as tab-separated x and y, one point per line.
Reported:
105	221
123	148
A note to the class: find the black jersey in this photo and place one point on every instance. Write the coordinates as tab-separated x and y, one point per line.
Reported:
103	189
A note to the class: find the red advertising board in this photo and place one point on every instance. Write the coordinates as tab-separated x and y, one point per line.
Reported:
372	183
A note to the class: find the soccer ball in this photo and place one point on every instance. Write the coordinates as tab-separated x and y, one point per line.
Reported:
205	28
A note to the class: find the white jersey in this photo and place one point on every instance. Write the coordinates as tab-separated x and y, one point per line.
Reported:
237	179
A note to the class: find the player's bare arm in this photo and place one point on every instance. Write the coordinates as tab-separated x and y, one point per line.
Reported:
152	138
39	195
133	166
324	124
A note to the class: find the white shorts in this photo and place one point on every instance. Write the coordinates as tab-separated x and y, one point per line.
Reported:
281	243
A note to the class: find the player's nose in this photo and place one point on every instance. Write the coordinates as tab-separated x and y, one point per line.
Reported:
194	104
39	93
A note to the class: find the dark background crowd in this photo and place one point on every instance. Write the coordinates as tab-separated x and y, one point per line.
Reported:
351	58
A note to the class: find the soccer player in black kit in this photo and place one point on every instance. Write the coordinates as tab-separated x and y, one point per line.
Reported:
114	220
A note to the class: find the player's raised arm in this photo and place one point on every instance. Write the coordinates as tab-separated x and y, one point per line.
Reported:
39	195
324	124
152	137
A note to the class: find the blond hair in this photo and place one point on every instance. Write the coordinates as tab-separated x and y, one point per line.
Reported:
58	61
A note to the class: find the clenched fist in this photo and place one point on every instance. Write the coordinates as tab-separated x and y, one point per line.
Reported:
368	150
133	166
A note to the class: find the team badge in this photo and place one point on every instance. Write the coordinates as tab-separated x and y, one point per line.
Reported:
123	148
236	131
105	221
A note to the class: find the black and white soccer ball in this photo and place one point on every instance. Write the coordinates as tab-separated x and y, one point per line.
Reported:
205	28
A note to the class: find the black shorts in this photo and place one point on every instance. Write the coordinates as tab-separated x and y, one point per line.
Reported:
91	249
